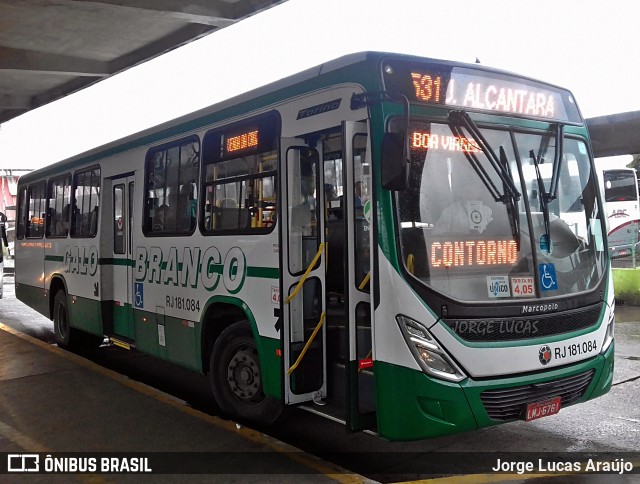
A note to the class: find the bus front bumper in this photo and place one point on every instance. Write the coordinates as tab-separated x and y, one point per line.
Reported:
412	405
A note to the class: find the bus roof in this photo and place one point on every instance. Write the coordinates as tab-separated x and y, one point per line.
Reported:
265	96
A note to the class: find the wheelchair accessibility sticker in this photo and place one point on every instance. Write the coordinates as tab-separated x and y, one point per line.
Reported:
139	295
548	280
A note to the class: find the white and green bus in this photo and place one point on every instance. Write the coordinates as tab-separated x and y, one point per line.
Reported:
623	210
372	239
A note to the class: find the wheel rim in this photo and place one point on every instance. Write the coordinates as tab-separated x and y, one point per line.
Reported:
243	375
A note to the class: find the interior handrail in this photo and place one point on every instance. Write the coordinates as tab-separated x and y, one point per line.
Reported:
306	346
365	281
305	275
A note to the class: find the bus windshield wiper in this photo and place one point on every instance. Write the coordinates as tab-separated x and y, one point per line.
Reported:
510	195
545	198
557	165
548	196
463	118
552	194
512	202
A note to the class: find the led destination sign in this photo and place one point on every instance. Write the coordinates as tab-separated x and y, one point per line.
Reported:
242	141
479	89
490	95
472	253
422	140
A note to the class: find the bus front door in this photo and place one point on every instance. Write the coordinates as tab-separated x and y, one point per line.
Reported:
303	306
360	381
121	277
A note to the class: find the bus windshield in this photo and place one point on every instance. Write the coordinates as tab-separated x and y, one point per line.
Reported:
620	186
462	236
623	210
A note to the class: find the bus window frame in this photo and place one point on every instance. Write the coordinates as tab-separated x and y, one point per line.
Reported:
213	153
30	189
74	201
147	220
48	232
21	227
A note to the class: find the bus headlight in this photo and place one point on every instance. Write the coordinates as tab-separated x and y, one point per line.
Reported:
430	356
608	337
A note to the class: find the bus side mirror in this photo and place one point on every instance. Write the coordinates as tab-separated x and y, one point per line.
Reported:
395	166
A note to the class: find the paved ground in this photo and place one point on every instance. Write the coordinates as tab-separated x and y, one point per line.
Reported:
608	424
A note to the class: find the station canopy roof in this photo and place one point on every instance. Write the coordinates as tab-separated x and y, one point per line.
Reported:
615	134
52	48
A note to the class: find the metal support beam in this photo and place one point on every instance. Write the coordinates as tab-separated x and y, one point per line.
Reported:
43	62
206	12
14	101
52	48
615	134
172	41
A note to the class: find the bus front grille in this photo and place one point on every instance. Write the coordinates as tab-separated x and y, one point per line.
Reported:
510	403
525	327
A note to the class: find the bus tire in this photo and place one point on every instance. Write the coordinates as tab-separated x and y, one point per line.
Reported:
67	337
61	324
236	379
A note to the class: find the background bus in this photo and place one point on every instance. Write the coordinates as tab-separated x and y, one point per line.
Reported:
409	246
623	210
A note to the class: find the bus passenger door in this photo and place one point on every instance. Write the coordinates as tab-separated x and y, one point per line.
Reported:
361	403
122	256
303	273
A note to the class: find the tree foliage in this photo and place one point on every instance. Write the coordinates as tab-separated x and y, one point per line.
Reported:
635	162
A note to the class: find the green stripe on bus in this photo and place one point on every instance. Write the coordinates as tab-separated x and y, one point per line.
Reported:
115	262
54	258
263	272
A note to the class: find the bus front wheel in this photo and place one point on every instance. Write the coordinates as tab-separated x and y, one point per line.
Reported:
236	378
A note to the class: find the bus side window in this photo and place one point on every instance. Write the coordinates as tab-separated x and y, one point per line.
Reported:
51	221
171	194
63	229
240	169
93	223
36	215
77	219
22	212
86	186
58	193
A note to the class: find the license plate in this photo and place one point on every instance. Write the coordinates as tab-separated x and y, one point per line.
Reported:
543	409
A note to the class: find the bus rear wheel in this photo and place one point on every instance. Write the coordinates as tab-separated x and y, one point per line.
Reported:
66	336
236	377
61	325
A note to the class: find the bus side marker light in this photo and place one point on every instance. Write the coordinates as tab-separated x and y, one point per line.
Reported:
279	352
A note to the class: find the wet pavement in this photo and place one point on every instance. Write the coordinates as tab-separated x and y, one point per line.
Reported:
608	424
